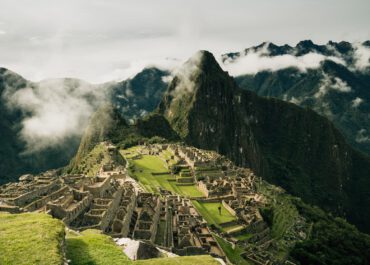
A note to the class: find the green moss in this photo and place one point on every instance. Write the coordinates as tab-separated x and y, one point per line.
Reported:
92	247
30	238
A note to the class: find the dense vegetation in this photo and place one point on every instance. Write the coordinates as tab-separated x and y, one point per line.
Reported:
332	241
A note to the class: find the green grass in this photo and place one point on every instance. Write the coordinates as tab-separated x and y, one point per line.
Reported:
190	191
148	164
30	238
94	248
190	260
243	236
233	228
232	254
209	211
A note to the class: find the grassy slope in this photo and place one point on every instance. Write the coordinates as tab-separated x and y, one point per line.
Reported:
148	164
232	254
94	248
30	238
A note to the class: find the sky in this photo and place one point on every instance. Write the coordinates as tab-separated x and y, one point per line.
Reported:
101	40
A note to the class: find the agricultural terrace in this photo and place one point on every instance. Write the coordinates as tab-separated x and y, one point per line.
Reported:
152	172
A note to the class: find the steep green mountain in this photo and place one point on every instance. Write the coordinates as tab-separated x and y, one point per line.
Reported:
16	158
289	146
108	124
338	91
140	95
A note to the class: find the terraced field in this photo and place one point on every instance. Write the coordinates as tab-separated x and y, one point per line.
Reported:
142	168
209	211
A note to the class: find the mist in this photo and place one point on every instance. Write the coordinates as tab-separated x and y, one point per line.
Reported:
54	110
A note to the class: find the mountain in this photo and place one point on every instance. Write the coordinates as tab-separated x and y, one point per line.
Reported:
343	50
338	88
287	145
109	124
140	95
15	161
133	97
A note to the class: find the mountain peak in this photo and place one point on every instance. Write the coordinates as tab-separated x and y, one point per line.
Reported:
306	44
202	59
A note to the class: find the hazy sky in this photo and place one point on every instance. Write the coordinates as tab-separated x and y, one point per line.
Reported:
101	40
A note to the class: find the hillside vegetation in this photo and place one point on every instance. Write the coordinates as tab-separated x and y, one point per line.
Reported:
30	238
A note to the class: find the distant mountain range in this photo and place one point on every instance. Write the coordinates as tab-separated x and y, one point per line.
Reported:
338	88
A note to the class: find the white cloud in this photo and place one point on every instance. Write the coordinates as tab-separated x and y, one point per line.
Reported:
136	66
67	38
167	79
329	83
295	100
356	102
2	32
56	111
362	56
186	74
362	136
254	62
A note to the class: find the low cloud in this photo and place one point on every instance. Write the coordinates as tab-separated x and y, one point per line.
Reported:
356	102
332	83
254	62
362	136
55	110
187	74
361	56
132	68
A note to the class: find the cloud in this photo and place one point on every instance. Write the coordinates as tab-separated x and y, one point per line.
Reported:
361	56
167	79
64	38
356	102
55	110
329	83
186	75
2	32
254	62
132	68
362	136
